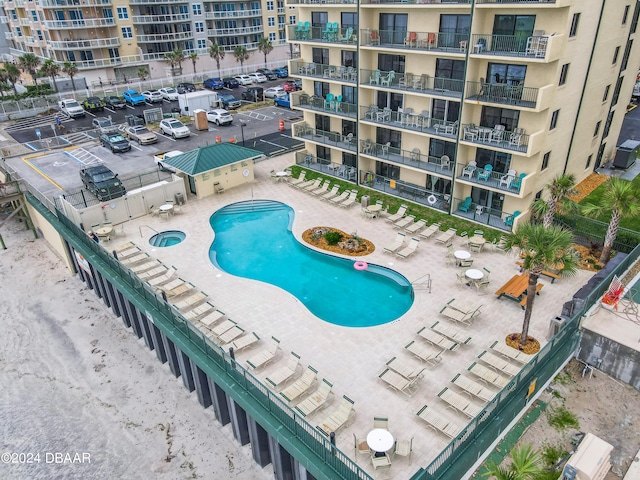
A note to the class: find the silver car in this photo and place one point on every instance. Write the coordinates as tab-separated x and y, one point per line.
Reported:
141	134
170	94
174	128
219	116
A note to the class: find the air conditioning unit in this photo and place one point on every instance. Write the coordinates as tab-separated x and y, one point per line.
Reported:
591	461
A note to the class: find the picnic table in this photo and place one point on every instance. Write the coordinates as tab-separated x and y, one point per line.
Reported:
516	289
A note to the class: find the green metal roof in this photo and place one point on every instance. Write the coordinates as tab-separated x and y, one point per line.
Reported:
205	159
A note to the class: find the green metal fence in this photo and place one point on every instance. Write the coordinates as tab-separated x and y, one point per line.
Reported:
595	230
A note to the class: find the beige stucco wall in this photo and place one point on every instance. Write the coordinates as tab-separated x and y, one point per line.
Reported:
228	177
53	238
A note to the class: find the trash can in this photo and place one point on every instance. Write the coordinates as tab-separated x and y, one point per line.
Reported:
364	201
179	198
130	119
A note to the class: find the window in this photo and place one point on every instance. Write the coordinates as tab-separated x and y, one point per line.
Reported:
270	6
625	15
634	21
272	36
202	43
387	62
323	153
492	116
449	74
574	25
199	27
538	195
554	119
292	19
349	94
501	162
19	31
589	158
597	129
606	93
600	154
319	19
34	15
348	127
615	55
563	74
320	55
126	32
349	19
39	35
505	73
616	92
271	21
438	147
607	125
107	13
445	110
349	59
625	57
14	15
393	27
320	89
123	13
545	161
453	30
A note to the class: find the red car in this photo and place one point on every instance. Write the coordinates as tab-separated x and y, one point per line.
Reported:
289	87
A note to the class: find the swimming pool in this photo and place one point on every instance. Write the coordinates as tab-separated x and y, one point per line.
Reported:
168	238
254	240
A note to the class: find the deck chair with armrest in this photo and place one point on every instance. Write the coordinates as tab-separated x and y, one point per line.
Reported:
445	237
404	222
499	363
199	311
264	356
340	198
487	375
125	246
350	200
403	448
465	205
397	382
316	400
410	249
180	289
190	302
398	215
162	279
242	343
135	258
509	352
460	403
144	265
397	244
297	181
338	418
430	231
473	388
439	422
451	332
307	183
284	373
428	354
230	335
322	190
404	369
437	340
148	274
301	386
223	327
380	460
466	318
329	195
312	186
416	227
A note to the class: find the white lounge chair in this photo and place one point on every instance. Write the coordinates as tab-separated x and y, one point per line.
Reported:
223	327
452	333
473	388
323	188
509	352
438	422
311	186
134	258
427	354
499	363
404	222
154	272
213	317
351	200
333	193
416	227
438	340
404	369
340	198
301	386
191	301
338	418
230	335
398	215
297	181
399	383
164	278
397	244
488	375
315	401
144	266
460	403
264	356
410	249
430	231
446	237
284	373
243	342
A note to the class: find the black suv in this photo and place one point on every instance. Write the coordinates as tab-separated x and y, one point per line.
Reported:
185	87
230	82
114	101
93	104
102	182
115	141
270	74
253	94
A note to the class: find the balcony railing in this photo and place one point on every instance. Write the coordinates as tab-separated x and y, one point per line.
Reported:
318	70
334	139
516	141
510	45
69	24
502	93
82	44
319	104
419	41
408	120
410	82
481	214
503	181
178	17
335	34
221	32
73	3
155	2
407	158
422	3
325	2
164	37
308	160
257	12
24	22
528	3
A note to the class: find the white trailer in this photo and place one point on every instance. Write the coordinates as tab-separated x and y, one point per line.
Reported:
202	99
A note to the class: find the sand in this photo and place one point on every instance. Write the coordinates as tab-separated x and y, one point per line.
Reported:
83	397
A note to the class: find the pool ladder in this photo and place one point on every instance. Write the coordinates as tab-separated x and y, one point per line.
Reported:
423	283
140	229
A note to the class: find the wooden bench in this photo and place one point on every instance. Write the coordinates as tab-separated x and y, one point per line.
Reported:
523	302
507	286
552	275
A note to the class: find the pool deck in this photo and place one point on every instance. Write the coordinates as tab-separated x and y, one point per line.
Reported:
352	358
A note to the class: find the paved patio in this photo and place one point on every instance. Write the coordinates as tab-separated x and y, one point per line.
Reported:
352	358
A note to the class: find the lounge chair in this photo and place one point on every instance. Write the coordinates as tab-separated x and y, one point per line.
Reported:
323	188
284	373
190	302
458	316
157	271
297	181
143	267
164	278
499	363
404	222
433	228
398	215
460	403
424	353
243	342
200	311
351	200
438	422
264	356
212	317
462	306
338	418
137	257
404	369
438	340
396	245
410	249
473	388
445	237
332	194
223	327
416	227
488	375
340	198
301	386
397	382
125	246
311	185
230	335
168	286
510	352
317	400
128	252
452	333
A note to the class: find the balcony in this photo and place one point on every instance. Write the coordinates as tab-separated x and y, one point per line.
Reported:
8	36
335	34
70	24
542	48
326	106
413	83
454	43
307	160
257	12
4	19
332	139
318	70
508	182
223	32
30	40
522	3
409	121
85	44
145	19
155	2
164	37
537	99
483	215
20	3
407	158
24	22
421	3
73	3
516	141
338	3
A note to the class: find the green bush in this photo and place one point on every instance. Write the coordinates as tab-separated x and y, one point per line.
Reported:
333	238
560	418
552	453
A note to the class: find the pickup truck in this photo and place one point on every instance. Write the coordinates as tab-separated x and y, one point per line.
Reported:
160	157
71	108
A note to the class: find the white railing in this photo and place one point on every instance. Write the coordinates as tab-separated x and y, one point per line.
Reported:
218	32
164	37
80	44
178	17
89	22
233	14
24	22
72	3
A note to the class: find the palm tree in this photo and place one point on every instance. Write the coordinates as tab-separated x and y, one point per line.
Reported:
29	63
142	73
526	464
241	54
559	189
194	58
217	53
170	58
179	58
71	69
51	69
265	46
13	74
4	76
541	248
622	200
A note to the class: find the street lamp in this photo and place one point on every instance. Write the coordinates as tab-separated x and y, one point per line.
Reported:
242	125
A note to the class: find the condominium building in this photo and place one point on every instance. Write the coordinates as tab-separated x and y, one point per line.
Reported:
470	108
112	39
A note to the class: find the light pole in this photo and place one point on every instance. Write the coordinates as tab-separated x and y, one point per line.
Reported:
242	125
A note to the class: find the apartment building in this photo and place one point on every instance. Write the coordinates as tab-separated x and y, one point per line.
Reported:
112	39
470	108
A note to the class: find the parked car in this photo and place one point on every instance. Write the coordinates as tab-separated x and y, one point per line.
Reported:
229	101
298	83
273	92
219	116
244	79
282	101
115	102
174	128
170	94
102	182
257	77
93	104
253	94
133	98
71	107
185	87
267	72
282	72
152	96
213	83
289	86
115	142
141	134
104	125
230	82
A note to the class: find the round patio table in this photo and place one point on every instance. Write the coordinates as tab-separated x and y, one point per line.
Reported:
380	440
462	254
474	274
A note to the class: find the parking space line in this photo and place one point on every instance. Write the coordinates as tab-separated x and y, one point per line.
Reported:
42	174
109	110
92	114
133	146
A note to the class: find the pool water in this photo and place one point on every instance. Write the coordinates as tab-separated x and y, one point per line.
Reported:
254	240
167	238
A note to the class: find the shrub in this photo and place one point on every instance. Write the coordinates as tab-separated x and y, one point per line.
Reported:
552	453
560	418
333	238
